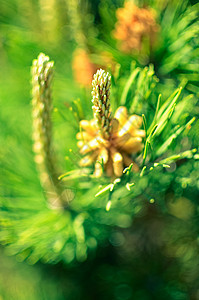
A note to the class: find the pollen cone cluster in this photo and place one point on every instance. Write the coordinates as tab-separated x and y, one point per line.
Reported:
133	25
83	68
108	141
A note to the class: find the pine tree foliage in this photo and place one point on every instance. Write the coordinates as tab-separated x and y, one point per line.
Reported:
113	228
36	232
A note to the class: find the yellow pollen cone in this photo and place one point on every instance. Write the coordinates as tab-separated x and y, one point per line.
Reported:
83	136
121	115
117	163
133	145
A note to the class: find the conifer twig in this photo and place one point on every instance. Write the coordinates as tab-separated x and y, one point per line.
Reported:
42	73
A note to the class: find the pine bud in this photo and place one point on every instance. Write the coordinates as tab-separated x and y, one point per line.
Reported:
101	101
42	74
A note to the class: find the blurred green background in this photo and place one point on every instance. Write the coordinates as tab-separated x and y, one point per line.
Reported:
158	256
